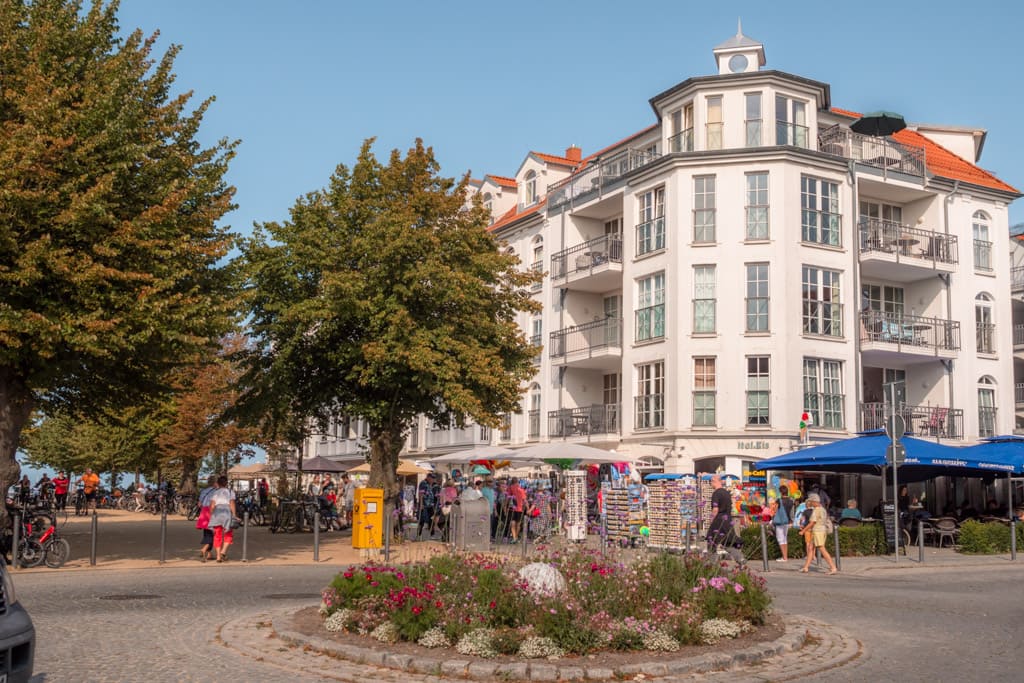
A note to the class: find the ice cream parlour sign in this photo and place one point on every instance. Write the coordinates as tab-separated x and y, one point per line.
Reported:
751	445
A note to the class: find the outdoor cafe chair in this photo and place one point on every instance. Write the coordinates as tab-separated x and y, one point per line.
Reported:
945	528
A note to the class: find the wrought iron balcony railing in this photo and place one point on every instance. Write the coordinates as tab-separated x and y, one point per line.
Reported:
600	334
889	237
924	421
880	152
910	330
597	175
586	256
594	419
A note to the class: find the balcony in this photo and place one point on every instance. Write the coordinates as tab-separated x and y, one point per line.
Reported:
585	421
919	253
470	435
887	337
922	421
877	152
593	266
1018	395
1018	338
597	177
596	345
681	142
1017	278
985	337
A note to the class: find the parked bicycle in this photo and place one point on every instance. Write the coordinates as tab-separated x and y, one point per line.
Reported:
247	502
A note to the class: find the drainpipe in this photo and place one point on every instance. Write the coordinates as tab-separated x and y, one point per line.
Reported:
857	364
949	295
562	293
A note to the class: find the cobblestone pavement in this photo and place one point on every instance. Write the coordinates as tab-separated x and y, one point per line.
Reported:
180	624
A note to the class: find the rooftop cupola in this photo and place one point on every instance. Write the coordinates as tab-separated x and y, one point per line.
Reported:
739	54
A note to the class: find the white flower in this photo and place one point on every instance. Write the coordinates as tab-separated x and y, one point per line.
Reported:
386	633
537	647
659	641
477	643
434	637
713	630
336	622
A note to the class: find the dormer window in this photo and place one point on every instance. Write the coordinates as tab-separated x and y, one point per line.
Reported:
489	203
530	188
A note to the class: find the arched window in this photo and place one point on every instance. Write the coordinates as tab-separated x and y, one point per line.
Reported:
985	329
530	188
534	413
986	407
982	244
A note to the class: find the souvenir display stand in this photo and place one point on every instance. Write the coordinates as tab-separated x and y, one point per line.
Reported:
576	505
672	505
624	513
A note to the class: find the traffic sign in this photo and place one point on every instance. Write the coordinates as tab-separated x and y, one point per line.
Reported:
895	454
895	427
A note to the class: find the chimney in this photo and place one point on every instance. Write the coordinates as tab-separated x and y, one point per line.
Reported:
574	153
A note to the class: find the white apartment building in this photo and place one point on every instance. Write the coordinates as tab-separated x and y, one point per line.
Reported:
748	259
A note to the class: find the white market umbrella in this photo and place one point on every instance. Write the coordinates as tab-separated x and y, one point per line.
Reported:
570	451
481	453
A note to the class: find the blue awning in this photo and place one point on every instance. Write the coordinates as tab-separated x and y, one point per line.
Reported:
924	459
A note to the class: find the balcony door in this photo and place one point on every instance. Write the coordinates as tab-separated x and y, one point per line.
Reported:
612	315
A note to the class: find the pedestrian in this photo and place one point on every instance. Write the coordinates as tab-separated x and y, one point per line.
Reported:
348	497
24	490
222	515
426	502
60	489
816	532
782	520
90	484
517	495
203	521
721	514
263	489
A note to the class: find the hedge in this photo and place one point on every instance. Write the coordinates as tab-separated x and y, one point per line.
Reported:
989	538
868	539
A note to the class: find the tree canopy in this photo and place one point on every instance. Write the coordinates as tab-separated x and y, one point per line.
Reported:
385	297
111	260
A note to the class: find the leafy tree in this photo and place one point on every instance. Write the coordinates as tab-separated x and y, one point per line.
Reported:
110	258
385	297
197	429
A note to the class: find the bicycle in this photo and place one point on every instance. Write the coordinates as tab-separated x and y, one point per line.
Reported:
55	548
81	504
247	503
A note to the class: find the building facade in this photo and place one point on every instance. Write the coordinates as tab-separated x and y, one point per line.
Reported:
748	265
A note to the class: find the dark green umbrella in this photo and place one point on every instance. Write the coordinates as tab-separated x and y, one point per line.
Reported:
879	123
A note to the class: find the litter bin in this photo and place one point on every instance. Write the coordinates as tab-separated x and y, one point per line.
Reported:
473	526
368	518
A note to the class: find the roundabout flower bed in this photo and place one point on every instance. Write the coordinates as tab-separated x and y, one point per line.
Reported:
576	604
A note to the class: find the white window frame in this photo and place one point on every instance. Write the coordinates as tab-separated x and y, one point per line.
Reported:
705	299
757	209
704	209
820	218
650	396
705	391
759	392
758	299
650	307
650	229
753	125
822	307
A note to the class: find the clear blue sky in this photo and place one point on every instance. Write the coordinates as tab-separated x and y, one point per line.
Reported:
303	83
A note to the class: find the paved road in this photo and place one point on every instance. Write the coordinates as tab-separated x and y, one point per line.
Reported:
936	624
916	625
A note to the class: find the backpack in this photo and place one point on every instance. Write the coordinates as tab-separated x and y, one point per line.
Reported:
829	526
781	517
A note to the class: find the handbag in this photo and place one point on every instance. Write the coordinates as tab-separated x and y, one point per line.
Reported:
203	520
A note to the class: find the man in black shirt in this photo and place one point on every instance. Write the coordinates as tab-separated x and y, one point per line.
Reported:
721	514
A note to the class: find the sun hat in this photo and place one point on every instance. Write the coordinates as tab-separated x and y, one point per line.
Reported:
813	498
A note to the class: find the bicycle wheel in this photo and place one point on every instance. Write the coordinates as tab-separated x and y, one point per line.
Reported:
79	505
30	553
256	517
57	552
193	513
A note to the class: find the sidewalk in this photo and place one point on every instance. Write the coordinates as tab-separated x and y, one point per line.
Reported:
131	540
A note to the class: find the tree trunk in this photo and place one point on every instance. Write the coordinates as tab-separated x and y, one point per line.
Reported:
188	477
385	445
16	403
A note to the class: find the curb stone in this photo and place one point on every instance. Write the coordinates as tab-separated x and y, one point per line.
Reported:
832	647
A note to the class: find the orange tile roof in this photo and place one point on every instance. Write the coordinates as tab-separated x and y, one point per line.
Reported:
513	214
941	161
552	159
502	180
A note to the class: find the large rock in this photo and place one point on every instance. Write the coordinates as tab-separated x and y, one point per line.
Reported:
543	579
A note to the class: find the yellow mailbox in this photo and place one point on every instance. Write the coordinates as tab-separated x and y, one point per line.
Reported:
368	518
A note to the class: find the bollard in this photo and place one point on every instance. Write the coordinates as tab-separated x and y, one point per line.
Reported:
604	534
92	542
316	536
1013	538
387	537
835	539
16	541
163	536
245	536
525	532
920	541
686	537
764	549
